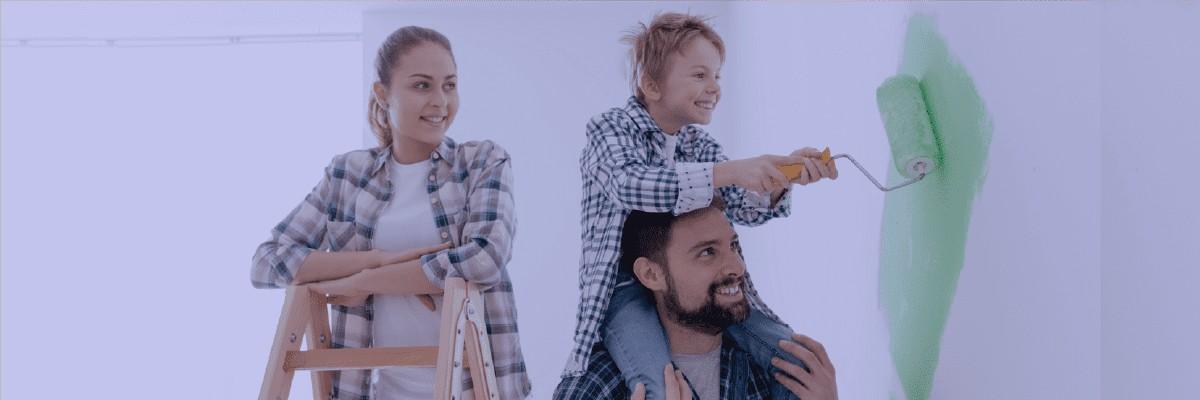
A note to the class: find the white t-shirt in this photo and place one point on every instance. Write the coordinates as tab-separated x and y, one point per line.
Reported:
403	321
669	149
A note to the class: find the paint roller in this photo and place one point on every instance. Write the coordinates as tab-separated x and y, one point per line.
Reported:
909	130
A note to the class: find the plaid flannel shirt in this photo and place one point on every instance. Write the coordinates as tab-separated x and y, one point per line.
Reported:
741	379
470	190
623	168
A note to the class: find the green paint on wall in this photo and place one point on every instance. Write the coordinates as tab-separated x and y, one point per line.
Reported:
925	225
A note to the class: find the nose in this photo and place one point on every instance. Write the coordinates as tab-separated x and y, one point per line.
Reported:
713	87
438	99
734	266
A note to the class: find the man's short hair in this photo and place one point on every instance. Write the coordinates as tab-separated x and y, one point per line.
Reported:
645	234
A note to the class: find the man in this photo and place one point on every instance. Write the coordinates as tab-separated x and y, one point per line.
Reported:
692	265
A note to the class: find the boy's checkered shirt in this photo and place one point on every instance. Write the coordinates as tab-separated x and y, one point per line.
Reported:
623	168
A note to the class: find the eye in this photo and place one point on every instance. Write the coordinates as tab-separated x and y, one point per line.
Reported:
737	247
451	85
421	85
708	251
699	75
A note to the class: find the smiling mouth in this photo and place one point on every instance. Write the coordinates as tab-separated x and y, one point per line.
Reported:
434	120
731	289
707	105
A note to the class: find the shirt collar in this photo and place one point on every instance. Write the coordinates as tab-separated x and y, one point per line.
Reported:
645	124
444	152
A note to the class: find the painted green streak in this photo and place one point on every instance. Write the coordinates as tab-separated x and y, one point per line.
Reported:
925	225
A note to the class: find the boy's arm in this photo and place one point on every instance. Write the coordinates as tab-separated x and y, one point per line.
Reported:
614	159
742	206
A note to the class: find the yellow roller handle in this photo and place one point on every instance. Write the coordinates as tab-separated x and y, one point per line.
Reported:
792	171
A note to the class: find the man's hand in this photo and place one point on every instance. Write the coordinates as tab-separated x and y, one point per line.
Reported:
677	387
818	381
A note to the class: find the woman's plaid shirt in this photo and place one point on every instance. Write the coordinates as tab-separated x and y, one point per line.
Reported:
470	190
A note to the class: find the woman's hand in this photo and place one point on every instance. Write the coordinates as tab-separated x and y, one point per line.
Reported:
349	291
355	297
404	278
388	266
380	258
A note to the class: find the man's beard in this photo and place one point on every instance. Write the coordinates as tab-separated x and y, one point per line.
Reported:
710	318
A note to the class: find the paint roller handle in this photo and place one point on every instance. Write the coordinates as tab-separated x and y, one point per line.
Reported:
876	182
815	164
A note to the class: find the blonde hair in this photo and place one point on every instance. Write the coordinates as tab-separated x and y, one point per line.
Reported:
396	45
651	46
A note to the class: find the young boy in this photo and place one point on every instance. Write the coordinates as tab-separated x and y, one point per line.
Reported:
650	156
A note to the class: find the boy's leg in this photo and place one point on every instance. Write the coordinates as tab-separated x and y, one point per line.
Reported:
759	336
635	339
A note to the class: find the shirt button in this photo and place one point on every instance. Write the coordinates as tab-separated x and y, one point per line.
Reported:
433	200
445	235
431	178
435	156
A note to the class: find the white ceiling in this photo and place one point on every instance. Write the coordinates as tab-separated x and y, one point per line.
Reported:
28	19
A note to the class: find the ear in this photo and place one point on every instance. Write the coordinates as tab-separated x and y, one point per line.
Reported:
651	274
650	89
380	93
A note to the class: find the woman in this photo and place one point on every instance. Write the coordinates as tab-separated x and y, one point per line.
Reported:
400	218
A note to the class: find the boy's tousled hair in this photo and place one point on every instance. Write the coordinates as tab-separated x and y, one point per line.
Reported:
651	46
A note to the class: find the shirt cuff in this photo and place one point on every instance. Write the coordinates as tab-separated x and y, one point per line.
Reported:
695	186
436	266
783	208
759	202
762	203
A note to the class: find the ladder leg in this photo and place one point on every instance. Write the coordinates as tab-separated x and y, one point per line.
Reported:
277	382
452	302
475	360
319	337
479	349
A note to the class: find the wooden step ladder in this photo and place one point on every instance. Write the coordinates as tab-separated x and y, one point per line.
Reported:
305	316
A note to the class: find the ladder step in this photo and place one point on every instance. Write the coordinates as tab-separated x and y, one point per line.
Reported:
375	357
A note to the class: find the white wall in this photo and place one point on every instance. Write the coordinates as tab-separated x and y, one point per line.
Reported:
1027	308
138	181
1029	288
1149	244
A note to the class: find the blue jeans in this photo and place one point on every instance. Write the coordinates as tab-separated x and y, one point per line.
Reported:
634	337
